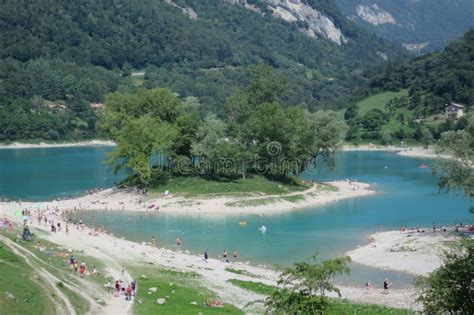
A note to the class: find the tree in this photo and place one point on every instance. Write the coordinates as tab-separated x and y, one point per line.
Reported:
351	112
373	120
449	289
426	137
127	70
302	288
387	137
142	146
457	172
401	118
267	85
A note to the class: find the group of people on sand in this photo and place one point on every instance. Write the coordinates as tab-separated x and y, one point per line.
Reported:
225	255
125	290
80	267
386	285
94	191
6	224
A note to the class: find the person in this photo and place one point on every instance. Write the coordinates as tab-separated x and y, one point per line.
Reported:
178	242
134	286
235	253
82	270
206	256
386	286
67	229
224	254
117	288
368	285
153	241
94	271
128	293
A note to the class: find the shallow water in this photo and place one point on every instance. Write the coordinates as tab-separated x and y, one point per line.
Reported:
406	195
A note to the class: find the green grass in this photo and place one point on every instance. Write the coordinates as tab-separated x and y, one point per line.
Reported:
196	186
256	287
338	306
60	267
378	101
240	272
293	198
252	202
179	289
344	307
16	279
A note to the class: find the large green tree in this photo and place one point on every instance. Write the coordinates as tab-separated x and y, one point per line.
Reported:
303	288
450	288
457	172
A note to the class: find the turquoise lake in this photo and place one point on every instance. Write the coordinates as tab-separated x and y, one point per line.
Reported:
406	195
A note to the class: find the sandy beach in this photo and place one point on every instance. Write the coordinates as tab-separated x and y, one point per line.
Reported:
414	152
409	251
131	200
116	252
89	143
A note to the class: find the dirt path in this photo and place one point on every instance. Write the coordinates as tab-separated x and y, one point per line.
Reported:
50	279
85	290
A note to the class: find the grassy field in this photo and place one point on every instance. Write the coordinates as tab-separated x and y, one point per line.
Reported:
338	306
378	101
19	292
240	272
55	260
196	186
256	287
182	292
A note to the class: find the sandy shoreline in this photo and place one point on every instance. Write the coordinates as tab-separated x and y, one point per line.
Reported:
116	252
407	251
130	200
413	152
89	143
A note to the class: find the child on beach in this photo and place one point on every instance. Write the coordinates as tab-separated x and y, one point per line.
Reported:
386	286
206	256
368	286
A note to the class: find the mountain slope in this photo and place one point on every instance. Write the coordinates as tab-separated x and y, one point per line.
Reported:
418	24
435	79
73	52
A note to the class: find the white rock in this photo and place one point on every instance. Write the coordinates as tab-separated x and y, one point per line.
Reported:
153	289
161	301
194	303
10	296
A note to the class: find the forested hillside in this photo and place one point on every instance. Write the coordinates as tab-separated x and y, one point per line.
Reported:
420	88
421	25
434	79
57	57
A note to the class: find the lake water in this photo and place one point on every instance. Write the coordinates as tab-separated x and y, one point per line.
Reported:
47	173
406	195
